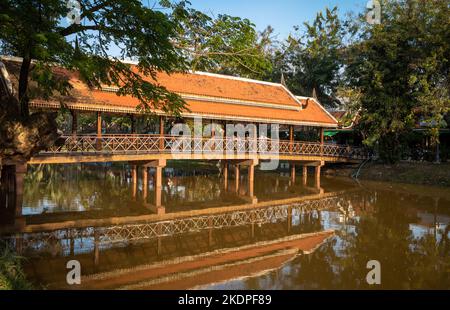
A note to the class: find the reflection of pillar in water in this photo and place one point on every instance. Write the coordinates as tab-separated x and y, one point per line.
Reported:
72	246
225	175
144	183
134	180
289	219
96	248
210	232
158	239
305	175
20	172
292	164
252	218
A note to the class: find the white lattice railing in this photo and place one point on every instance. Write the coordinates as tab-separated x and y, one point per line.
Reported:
150	144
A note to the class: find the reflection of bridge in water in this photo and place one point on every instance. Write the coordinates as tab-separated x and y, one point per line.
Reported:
250	231
140	228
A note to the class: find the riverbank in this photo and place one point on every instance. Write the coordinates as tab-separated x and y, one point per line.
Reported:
403	172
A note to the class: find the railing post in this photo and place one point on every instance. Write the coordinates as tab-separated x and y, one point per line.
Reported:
161	133
99	131
321	141
291	138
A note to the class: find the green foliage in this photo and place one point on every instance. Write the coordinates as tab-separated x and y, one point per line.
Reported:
109	32
311	61
12	276
401	69
223	44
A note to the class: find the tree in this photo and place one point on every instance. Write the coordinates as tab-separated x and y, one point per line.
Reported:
107	33
314	59
400	68
223	44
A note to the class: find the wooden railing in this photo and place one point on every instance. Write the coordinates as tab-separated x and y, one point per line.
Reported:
151	144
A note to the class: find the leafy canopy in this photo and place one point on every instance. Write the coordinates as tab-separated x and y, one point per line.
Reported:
108	33
223	44
400	69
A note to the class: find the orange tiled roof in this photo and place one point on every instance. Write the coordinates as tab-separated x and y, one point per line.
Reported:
210	95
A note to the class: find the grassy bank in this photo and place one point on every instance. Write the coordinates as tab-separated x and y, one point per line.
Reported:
403	172
12	276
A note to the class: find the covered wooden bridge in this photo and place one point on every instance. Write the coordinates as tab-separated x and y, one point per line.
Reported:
242	122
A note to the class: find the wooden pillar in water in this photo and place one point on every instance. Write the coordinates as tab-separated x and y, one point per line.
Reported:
251	180
158	186
305	175
317	176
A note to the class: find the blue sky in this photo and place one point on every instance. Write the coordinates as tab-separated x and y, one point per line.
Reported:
282	15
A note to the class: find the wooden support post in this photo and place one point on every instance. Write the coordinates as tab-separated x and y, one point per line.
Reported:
144	183
291	138
292	164
317	176
305	175
158	186
99	131
134	180
225	175
161	133
236	178
251	180
321	140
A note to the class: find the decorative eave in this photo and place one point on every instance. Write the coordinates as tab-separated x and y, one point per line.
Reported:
89	107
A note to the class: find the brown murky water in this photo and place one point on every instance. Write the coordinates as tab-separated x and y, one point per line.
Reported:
296	237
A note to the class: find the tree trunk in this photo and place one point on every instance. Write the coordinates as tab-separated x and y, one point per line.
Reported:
23	87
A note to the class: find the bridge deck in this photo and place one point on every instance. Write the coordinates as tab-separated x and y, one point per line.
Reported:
109	148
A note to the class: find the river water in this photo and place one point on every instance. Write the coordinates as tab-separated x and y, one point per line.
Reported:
212	238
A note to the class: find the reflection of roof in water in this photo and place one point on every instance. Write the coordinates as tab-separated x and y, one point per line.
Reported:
193	263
